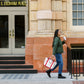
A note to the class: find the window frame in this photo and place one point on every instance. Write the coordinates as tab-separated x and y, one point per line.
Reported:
70	25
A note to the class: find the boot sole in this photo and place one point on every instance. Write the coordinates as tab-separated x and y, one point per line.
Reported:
61	78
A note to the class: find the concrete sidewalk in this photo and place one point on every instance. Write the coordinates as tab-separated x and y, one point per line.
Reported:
39	78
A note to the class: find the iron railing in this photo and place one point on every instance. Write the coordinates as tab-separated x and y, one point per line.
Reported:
75	61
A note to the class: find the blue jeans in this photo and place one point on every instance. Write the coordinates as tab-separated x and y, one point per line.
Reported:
59	61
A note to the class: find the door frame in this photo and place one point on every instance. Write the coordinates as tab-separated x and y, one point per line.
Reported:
20	51
4	51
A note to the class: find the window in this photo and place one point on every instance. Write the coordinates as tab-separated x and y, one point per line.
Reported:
78	12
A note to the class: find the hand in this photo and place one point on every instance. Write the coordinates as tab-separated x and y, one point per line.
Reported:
53	56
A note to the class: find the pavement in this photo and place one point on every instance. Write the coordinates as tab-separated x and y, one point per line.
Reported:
39	78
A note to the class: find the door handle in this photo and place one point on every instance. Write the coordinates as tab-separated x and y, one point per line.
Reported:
13	33
10	34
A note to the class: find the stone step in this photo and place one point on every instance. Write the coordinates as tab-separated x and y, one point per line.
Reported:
22	70
12	58
15	65
12	61
6	66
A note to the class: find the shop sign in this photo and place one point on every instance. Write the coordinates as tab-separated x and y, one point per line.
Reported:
13	3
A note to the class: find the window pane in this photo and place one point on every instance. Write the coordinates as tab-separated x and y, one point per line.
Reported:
79	22
74	1
83	7
75	22
74	14
79	14
83	22
74	7
19	31
79	1
80	7
4	40
83	15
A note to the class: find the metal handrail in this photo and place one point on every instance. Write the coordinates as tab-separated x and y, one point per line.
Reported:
74	61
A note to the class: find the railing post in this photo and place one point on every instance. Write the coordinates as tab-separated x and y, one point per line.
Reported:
69	60
75	60
71	63
79	61
83	62
76	64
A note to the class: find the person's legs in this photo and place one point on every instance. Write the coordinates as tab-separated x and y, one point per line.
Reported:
60	60
48	71
56	64
55	67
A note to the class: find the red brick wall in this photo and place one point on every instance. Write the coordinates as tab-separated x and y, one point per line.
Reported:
38	48
29	51
74	41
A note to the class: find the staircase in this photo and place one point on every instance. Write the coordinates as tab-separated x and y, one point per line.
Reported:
15	65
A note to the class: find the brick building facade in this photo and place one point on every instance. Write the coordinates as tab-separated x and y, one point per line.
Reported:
41	18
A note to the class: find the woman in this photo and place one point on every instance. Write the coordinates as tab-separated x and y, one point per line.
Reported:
57	53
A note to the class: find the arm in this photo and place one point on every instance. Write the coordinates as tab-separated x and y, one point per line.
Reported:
63	42
55	45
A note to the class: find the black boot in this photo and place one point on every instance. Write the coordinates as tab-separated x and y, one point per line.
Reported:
48	73
60	76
